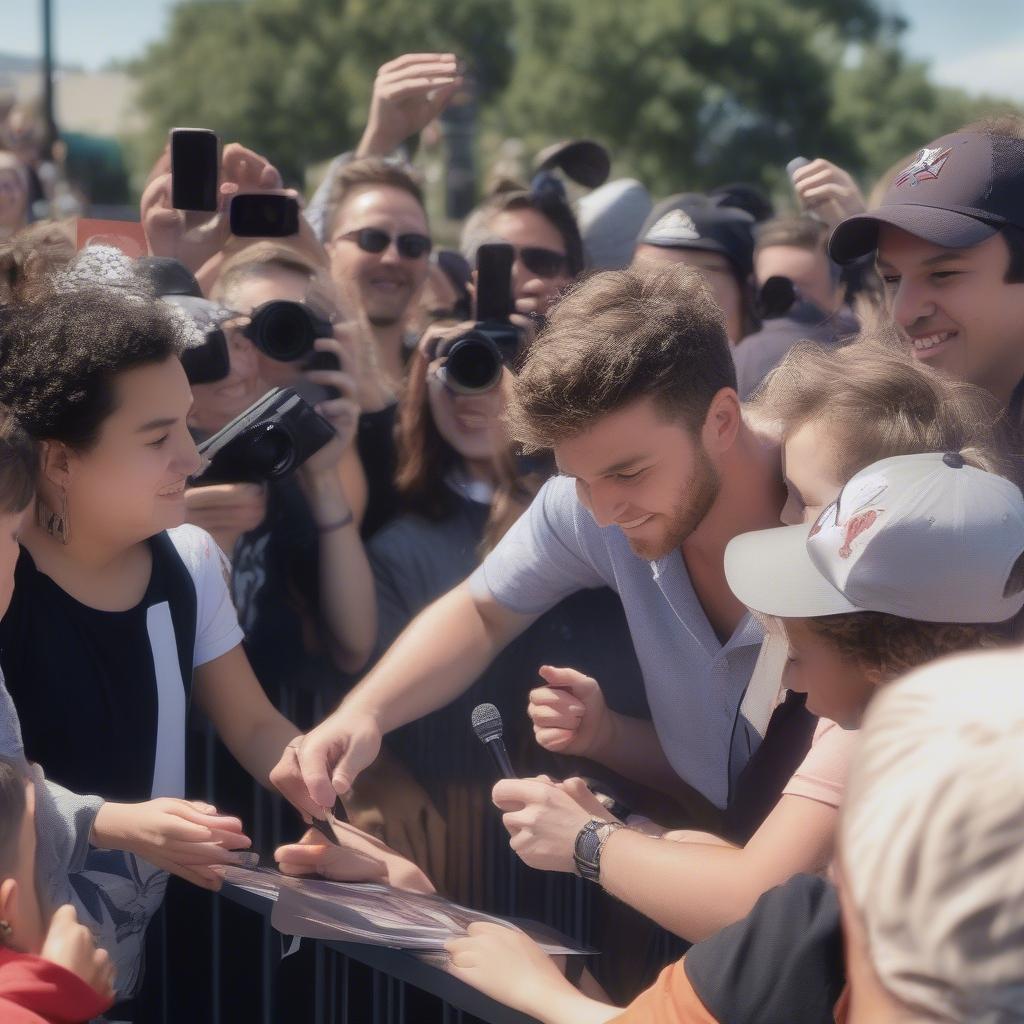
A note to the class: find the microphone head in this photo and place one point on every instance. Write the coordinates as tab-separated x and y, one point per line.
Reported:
486	719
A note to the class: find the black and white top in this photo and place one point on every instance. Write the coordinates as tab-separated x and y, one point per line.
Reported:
102	698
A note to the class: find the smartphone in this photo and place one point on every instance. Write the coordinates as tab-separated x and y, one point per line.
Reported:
264	215
195	168
494	281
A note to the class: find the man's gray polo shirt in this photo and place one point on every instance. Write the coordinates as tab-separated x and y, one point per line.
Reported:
694	684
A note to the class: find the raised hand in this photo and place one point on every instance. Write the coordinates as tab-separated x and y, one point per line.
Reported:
569	715
828	190
408	93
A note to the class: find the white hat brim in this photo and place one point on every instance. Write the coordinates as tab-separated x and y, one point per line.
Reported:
771	572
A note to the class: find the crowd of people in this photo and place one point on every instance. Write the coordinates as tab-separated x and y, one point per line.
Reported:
732	535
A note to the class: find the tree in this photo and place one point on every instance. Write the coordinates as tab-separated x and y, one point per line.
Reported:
685	93
292	78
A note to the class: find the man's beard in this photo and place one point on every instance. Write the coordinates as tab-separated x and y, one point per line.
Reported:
699	495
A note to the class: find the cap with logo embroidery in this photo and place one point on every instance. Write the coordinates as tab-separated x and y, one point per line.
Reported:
957	192
924	537
690	220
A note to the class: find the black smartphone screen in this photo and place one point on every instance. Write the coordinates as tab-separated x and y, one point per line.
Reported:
494	281
195	168
261	215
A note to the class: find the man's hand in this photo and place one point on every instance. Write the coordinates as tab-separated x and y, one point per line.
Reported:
408	93
72	946
195	236
317	768
226	511
507	965
183	837
828	190
543	821
359	858
569	715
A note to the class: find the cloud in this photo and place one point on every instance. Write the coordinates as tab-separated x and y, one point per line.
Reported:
995	71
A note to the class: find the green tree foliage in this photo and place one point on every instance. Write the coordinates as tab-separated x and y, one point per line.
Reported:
292	78
686	93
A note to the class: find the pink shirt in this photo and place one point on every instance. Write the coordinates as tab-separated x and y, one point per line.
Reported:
822	773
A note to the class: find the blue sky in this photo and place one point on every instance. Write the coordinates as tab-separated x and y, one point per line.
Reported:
977	45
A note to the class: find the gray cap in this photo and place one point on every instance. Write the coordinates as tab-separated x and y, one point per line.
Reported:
609	219
924	537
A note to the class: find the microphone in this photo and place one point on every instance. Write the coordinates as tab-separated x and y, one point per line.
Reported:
486	719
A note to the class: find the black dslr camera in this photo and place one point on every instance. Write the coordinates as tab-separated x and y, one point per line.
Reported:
474	360
285	331
271	439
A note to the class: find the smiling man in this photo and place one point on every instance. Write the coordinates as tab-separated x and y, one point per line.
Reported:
379	242
633	388
949	244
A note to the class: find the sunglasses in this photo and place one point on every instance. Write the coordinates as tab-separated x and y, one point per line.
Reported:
543	262
410	246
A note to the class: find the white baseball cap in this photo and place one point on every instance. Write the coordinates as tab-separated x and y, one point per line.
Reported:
924	537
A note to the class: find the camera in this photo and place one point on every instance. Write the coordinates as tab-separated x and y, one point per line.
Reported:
263	215
205	358
473	361
270	440
285	331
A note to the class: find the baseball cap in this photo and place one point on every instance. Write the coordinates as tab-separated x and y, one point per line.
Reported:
957	192
691	220
609	219
924	537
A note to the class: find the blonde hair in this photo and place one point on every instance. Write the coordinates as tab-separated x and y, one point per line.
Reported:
878	403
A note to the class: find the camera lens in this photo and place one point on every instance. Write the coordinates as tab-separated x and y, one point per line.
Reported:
270	451
283	330
473	363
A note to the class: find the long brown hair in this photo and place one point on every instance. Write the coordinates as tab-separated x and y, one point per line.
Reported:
425	459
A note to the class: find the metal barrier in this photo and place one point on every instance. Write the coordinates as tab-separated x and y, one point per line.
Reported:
217	959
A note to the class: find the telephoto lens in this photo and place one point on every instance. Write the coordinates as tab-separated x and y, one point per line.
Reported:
472	363
285	331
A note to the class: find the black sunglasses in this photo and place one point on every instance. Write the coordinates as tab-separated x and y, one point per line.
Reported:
543	262
410	247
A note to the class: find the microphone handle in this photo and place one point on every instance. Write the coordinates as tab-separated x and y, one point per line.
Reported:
501	758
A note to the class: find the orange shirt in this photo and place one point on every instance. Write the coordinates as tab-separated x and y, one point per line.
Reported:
670	1000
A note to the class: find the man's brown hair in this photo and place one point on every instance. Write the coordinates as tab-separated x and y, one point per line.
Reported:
618	337
369	172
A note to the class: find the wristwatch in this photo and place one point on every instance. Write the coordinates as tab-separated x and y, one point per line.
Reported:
590	841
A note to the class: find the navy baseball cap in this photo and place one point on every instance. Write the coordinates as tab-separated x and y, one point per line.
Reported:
957	192
690	220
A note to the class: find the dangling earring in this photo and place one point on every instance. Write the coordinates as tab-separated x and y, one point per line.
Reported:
56	524
6	931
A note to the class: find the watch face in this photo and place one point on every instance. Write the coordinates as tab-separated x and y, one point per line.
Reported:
588	846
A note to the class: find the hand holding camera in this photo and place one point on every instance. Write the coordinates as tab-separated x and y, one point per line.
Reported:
340	410
184	213
226	511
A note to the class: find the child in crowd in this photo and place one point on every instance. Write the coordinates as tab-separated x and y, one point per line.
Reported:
48	973
916	557
837	412
113	615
